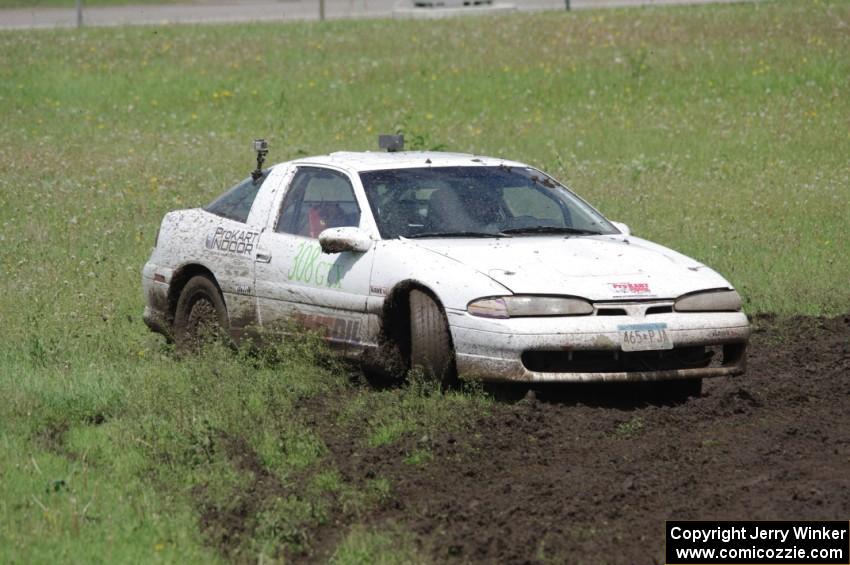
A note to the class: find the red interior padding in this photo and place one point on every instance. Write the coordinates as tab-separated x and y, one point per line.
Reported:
317	224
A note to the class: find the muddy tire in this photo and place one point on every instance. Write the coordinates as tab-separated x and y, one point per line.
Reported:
201	315
430	341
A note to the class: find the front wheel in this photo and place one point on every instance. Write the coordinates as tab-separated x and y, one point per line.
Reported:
201	314
430	340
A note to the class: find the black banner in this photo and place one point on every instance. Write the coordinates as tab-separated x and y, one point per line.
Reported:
757	543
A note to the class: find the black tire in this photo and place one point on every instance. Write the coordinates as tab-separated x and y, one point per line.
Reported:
430	341
200	315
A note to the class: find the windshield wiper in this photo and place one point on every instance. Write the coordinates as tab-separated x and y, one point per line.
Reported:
454	234
550	229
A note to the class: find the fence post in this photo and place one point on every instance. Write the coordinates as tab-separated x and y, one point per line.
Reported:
322	10
79	13
568	5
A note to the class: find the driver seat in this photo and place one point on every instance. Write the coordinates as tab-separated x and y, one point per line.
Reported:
446	212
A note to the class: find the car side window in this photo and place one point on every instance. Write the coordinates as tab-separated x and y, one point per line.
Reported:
317	199
235	204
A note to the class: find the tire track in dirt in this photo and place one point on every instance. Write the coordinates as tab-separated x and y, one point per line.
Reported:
589	474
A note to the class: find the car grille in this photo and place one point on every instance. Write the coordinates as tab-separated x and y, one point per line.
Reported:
613	361
632	308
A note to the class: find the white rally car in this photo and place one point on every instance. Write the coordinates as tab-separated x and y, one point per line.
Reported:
468	266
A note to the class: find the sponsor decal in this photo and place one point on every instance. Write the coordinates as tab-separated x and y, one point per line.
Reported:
240	242
720	333
379	290
333	328
630	288
244	289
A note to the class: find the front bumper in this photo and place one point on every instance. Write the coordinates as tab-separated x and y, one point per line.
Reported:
156	321
156	314
587	348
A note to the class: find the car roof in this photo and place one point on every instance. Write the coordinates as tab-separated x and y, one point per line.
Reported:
371	161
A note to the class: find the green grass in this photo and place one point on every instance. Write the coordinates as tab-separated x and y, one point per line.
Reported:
387	546
720	131
160	459
630	428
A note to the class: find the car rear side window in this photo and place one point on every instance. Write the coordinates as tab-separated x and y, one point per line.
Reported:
317	199
235	204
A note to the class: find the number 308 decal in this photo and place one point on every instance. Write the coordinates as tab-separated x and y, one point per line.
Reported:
307	268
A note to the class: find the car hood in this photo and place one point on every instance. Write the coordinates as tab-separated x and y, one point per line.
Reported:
593	267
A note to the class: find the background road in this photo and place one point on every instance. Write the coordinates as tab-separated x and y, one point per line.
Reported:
266	10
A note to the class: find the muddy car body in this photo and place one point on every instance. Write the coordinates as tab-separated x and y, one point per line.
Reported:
470	266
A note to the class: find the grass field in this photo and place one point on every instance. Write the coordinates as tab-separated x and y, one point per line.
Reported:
721	131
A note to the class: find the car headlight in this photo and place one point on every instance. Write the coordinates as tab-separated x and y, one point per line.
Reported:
710	301
527	306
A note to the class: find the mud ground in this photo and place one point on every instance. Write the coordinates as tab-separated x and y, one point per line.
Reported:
589	474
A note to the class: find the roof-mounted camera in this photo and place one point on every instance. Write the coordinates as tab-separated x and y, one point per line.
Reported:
391	143
261	146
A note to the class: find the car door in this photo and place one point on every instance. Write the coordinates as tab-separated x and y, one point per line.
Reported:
294	279
228	235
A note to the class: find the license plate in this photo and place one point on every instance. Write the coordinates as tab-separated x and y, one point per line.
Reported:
644	337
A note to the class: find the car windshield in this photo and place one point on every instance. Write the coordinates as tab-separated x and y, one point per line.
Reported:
476	201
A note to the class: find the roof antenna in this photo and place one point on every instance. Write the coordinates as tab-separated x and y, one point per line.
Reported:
391	143
262	149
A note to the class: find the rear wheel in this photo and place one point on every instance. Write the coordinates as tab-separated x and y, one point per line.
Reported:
430	341
200	315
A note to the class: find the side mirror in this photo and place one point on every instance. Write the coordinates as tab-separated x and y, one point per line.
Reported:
337	240
622	227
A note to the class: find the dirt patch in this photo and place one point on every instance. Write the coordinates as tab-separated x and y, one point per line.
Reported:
285	515
588	474
52	437
226	526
